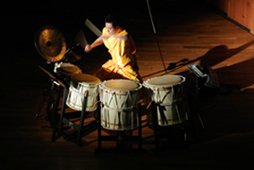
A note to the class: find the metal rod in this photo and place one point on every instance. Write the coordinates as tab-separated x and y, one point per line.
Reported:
155	32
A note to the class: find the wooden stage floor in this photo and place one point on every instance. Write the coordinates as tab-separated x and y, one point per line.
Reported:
186	34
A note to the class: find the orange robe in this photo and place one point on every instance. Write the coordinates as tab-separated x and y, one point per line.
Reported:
122	50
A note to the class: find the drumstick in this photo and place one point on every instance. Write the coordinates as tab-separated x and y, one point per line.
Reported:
92	27
80	39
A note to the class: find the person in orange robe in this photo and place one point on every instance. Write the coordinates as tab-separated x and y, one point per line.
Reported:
122	49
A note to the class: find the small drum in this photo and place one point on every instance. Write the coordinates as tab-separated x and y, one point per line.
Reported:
80	85
167	94
67	69
118	100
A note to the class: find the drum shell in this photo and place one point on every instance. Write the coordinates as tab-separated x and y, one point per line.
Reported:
118	107
165	95
171	114
123	120
169	102
77	92
118	99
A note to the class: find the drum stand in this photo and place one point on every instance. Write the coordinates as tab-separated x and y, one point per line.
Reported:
54	99
58	86
167	132
121	136
47	102
66	119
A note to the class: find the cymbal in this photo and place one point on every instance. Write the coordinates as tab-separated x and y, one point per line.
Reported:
50	43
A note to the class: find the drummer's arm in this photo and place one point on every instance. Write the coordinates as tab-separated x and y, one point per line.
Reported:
97	42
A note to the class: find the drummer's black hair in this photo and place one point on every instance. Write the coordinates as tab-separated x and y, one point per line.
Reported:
114	19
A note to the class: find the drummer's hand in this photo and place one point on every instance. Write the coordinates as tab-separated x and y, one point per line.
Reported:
88	48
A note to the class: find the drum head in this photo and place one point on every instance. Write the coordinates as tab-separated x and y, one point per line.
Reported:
121	84
166	80
69	69
86	78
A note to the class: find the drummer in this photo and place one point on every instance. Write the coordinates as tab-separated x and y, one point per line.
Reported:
122	49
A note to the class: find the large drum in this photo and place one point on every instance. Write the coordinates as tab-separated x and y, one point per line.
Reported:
118	104
167	94
82	85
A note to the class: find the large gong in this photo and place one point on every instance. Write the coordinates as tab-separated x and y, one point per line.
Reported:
50	43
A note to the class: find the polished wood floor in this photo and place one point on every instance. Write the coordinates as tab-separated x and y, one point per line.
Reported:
185	34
